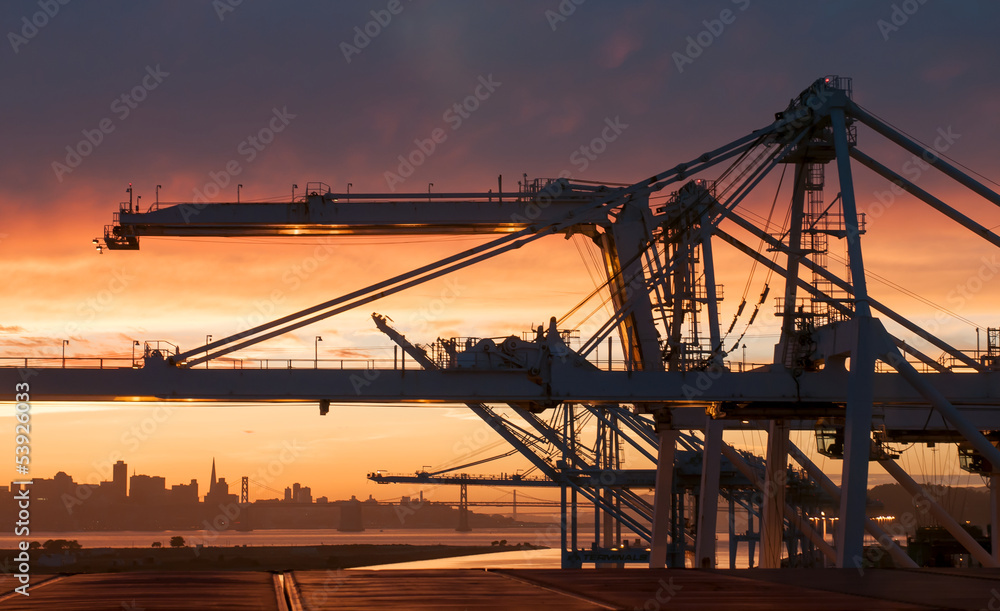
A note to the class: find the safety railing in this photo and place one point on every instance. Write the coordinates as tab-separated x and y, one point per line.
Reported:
70	362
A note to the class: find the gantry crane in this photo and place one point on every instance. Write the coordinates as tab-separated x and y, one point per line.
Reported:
661	283
736	488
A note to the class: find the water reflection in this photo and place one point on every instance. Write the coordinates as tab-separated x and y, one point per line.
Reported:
520	559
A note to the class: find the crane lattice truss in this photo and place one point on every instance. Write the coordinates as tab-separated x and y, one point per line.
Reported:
661	283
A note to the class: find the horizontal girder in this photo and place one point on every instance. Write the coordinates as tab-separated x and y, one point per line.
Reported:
318	217
977	395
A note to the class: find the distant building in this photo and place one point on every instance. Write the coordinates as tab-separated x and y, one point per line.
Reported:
147	489
52	489
120	480
108	491
218	491
305	495
184	493
288	495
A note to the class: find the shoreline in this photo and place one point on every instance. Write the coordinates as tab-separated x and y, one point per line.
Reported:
290	537
245	557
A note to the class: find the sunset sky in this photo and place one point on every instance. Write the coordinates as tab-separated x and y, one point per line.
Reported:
104	94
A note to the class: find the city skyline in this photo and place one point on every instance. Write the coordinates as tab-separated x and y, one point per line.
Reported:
150	487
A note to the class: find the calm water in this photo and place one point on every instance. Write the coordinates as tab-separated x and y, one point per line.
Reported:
424	536
522	559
